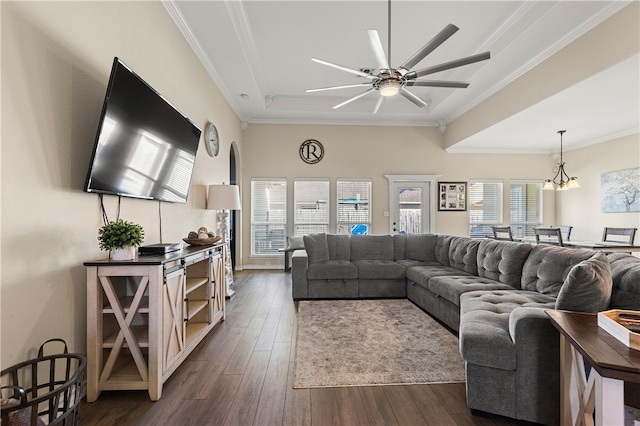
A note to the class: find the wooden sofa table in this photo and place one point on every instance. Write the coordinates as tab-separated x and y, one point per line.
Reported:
611	362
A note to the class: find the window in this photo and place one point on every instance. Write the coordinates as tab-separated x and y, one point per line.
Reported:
311	201
353	206
485	206
268	215
525	207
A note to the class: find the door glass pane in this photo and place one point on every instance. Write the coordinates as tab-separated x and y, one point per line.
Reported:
410	209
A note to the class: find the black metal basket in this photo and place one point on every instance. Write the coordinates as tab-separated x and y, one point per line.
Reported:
44	390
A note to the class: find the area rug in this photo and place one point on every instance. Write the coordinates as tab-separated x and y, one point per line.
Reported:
372	342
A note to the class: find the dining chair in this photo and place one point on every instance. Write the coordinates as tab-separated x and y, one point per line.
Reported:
618	235
565	231
552	236
502	233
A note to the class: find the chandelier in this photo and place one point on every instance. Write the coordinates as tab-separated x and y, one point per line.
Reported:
565	181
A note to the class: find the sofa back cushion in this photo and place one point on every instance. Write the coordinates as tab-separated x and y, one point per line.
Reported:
625	273
421	247
339	247
463	254
400	246
547	267
442	249
371	247
587	287
316	247
502	261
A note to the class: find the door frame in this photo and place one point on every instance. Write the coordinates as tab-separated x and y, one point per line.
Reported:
430	208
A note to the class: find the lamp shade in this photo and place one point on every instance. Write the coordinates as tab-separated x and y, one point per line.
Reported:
223	197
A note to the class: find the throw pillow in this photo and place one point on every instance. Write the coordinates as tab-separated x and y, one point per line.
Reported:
317	247
295	243
588	286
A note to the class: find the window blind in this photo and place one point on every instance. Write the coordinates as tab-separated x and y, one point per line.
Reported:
525	207
353	206
268	215
485	206
311	201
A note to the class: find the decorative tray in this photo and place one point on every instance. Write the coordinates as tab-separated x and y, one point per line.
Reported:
623	325
201	241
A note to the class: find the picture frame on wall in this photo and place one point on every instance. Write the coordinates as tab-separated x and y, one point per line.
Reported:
452	196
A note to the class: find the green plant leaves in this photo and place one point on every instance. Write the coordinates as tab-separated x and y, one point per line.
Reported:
120	234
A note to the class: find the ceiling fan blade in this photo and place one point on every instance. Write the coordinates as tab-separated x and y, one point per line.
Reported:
353	99
413	98
448	65
436	41
437	83
378	50
343	68
378	105
346	86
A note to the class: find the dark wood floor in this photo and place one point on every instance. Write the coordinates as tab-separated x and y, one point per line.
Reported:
242	374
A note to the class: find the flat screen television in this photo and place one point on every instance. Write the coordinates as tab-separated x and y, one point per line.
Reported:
144	147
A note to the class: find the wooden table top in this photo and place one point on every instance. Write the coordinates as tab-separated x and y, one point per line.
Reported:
607	355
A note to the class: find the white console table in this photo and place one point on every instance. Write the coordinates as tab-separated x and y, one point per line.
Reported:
145	316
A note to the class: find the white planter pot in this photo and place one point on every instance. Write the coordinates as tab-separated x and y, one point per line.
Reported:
127	253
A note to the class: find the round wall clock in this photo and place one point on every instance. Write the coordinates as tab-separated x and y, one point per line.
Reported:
311	151
212	143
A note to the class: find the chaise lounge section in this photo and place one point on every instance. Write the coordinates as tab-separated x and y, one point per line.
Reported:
493	293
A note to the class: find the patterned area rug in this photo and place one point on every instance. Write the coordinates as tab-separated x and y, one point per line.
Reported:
372	342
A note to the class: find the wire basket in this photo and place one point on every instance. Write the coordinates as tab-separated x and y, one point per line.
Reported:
44	391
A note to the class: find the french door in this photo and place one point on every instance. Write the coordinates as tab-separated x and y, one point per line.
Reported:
412	204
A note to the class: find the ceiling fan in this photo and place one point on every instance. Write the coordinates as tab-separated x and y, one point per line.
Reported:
392	81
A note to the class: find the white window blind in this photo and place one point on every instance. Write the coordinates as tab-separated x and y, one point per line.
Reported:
268	215
311	200
353	206
525	207
485	206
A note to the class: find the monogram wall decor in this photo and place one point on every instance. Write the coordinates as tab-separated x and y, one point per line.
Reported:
311	151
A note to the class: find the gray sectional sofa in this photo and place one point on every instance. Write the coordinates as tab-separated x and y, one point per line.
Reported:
493	293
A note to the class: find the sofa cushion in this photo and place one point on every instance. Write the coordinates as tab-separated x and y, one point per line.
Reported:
339	246
625	273
588	286
422	274
409	263
463	254
442	249
451	287
485	337
547	267
371	247
421	247
332	270
316	247
379	269
502	260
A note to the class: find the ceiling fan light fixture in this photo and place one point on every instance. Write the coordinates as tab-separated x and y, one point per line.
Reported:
389	88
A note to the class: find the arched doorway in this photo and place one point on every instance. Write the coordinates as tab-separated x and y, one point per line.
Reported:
232	218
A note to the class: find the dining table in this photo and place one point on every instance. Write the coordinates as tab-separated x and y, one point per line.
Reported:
609	246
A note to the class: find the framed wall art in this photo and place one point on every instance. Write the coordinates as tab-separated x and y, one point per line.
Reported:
620	191
452	196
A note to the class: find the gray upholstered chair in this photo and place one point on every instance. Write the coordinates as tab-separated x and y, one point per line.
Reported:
613	235
502	233
551	236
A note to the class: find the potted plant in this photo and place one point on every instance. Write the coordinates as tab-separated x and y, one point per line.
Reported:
121	238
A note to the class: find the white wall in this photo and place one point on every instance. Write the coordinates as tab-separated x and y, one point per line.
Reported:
372	152
56	58
581	207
